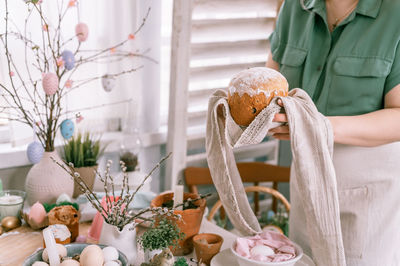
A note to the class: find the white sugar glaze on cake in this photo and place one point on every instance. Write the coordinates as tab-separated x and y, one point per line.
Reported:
253	78
60	231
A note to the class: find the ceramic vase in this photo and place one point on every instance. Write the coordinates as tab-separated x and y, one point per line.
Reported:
46	180
189	223
88	175
124	241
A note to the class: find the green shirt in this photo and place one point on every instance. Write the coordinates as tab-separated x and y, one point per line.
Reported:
348	71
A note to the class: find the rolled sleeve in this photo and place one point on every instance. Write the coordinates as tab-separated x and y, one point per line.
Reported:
393	79
274	38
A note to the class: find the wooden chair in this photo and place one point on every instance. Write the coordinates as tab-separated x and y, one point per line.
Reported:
250	172
276	194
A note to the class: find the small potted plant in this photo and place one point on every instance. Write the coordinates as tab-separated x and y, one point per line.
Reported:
83	151
161	236
191	217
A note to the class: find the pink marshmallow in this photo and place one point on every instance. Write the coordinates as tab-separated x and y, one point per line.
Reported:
283	248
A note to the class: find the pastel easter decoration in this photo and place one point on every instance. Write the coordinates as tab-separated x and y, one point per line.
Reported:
92	256
81	239
35	152
82	32
67	128
69	59
63	198
79	118
110	254
108	82
61	250
40	263
261	250
50	83
112	263
70	262
37	213
52	250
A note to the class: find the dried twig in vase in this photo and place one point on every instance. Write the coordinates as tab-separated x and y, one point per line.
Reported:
116	212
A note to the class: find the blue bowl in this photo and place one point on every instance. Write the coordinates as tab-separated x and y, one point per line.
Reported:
72	250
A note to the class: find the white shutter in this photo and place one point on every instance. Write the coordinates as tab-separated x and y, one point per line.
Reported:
226	36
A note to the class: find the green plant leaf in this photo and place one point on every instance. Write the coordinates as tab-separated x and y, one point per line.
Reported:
83	150
164	235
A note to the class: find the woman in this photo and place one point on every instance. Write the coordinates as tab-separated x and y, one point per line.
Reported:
345	54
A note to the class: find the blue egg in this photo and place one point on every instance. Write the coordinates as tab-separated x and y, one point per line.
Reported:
67	128
69	59
35	152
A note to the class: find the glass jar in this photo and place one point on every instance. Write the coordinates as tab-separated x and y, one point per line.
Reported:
130	147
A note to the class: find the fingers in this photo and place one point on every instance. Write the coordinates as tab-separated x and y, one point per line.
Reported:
280	118
280	129
281	136
281	132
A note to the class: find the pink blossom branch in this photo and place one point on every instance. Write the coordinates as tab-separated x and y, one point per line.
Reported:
121	43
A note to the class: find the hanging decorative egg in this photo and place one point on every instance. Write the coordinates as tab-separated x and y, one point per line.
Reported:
50	83
67	128
35	152
82	31
108	82
78	117
69	59
62	198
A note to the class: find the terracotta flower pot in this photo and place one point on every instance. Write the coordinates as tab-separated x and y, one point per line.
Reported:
190	222
88	175
207	246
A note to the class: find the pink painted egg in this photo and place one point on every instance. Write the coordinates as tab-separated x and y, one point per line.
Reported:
37	213
50	83
82	31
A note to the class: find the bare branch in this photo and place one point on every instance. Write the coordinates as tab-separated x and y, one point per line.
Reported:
99	77
96	107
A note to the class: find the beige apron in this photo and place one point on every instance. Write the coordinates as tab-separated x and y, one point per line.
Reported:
368	181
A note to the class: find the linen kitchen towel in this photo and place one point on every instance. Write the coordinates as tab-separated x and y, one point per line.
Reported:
312	146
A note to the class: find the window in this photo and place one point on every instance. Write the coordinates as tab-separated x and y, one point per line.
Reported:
108	24
225	38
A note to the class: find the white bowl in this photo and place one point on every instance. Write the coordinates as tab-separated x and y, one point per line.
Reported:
248	262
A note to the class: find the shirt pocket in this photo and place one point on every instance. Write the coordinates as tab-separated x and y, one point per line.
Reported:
357	82
291	63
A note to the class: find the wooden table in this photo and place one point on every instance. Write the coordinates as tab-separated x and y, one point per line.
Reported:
19	243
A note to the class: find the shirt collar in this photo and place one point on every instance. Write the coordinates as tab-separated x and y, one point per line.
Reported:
368	8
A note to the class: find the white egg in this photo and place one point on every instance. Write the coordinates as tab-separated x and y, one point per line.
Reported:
40	263
62	251
108	82
110	253
92	256
62	198
70	263
111	263
262	250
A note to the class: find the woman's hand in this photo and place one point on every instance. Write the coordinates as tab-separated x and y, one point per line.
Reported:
281	132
